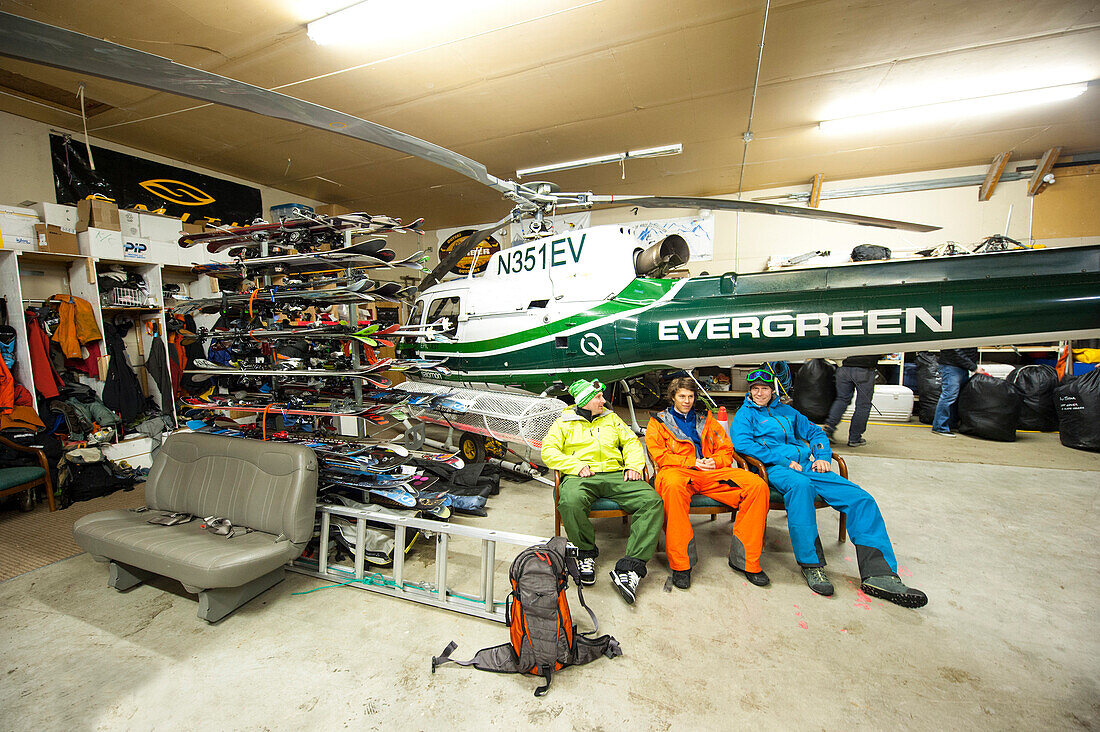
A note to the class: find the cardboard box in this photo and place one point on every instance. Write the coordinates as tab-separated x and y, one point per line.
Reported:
164	252
194	228
56	214
129	223
55	241
160	228
102	243
17	228
135	450
134	249
95	213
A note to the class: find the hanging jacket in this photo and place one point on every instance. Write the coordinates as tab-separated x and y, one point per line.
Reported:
121	390
7	389
863	362
46	380
777	434
605	444
157	367
77	327
964	358
670	447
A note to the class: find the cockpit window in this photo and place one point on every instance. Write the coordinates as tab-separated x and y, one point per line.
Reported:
417	313
445	308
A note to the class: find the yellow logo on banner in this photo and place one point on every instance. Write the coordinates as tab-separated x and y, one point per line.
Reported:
176	191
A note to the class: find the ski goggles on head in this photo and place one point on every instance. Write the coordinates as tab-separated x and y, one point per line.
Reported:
760	376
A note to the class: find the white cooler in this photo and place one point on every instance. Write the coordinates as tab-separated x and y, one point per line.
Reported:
889	404
1000	370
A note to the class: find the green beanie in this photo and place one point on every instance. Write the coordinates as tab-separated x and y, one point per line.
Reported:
583	391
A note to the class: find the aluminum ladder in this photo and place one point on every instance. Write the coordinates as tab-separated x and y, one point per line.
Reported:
437	594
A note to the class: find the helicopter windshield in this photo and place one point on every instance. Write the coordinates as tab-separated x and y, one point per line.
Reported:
445	308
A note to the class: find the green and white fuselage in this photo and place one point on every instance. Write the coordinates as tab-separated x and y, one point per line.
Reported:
561	306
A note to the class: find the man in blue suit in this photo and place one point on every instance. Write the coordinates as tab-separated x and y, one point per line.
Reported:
798	459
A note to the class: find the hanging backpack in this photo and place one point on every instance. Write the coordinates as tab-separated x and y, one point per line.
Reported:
543	636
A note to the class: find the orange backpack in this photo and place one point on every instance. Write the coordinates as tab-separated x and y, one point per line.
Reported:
543	636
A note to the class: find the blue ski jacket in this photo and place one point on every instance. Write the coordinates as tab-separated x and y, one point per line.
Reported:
778	434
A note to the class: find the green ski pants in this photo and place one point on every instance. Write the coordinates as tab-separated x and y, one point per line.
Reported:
636	497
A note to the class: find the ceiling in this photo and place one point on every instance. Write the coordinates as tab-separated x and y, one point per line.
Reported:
585	78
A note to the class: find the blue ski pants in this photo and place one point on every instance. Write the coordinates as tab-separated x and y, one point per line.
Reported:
865	525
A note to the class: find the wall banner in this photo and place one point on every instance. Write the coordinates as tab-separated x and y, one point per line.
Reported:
131	181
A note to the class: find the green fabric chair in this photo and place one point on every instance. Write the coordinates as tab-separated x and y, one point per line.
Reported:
25	477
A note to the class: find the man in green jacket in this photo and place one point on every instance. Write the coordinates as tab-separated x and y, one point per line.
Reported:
599	457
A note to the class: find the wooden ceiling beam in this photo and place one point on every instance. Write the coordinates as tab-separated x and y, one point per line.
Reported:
1038	180
815	190
996	168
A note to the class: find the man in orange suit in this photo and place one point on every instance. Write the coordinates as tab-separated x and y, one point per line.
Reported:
693	454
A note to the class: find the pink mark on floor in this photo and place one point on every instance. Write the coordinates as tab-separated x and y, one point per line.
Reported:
802	624
863	600
904	571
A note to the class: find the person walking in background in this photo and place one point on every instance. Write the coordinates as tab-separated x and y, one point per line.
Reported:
856	375
957	365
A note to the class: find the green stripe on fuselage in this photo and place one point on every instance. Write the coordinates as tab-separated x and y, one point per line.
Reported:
639	293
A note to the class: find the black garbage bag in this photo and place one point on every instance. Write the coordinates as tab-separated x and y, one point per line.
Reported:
989	408
870	252
814	389
928	385
1036	385
1078	402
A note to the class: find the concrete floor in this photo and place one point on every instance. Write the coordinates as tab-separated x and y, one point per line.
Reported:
1009	640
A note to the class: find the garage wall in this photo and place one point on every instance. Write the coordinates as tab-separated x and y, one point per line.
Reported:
28	171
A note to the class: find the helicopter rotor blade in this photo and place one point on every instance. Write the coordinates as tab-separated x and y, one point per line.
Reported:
41	43
721	204
461	250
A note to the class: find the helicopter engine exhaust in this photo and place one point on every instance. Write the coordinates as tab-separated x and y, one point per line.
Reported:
665	255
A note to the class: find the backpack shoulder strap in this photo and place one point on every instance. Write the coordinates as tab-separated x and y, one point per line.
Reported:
589	649
501	659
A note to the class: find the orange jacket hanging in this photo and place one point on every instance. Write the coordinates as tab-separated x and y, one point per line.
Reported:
7	388
77	327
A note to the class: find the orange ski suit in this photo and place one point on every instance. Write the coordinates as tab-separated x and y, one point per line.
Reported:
674	454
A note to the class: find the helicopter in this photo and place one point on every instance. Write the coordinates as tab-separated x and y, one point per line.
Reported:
599	301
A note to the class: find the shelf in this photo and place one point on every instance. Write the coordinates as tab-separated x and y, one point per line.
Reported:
122	309
48	257
1016	349
178	268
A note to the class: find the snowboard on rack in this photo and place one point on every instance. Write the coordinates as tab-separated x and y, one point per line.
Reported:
305	230
365	374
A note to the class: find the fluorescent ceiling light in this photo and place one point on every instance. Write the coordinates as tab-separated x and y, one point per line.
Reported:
371	24
649	152
974	107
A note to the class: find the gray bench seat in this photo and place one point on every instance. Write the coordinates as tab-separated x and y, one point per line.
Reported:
269	487
187	552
